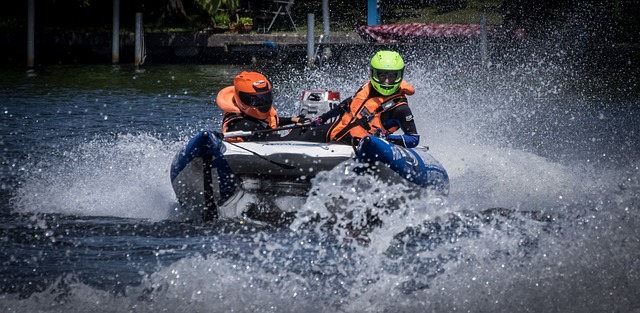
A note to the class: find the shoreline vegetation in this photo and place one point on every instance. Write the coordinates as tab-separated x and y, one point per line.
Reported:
185	27
617	20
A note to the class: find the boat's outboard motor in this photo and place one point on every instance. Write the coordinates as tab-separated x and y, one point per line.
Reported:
316	102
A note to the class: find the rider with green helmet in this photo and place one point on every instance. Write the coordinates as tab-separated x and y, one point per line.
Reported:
379	107
386	72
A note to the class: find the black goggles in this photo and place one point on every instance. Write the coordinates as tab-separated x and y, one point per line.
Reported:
262	101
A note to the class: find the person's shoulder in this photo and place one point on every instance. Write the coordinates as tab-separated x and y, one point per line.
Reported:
402	108
406	88
224	100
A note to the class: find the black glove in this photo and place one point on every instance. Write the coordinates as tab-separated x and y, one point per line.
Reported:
313	122
316	121
380	133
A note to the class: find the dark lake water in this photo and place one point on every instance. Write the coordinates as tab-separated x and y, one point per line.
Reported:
543	214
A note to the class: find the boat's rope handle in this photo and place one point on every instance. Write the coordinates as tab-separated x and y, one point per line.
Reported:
242	133
285	166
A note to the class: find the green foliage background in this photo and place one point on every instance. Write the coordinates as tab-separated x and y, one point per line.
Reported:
613	20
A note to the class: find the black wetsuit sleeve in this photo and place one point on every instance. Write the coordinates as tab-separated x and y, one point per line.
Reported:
285	121
402	117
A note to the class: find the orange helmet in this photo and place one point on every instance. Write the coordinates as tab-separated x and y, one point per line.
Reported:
253	94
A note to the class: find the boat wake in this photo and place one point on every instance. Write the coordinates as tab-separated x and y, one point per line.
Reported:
121	175
541	216
499	240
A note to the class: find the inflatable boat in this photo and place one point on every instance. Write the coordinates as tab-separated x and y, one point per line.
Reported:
270	180
215	179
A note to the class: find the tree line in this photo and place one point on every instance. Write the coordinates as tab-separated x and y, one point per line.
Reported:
614	20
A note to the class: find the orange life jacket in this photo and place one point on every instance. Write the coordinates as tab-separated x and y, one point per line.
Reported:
364	112
226	101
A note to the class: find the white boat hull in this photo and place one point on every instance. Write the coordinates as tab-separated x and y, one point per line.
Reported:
215	179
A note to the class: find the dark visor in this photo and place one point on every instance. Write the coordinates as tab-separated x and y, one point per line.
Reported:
389	77
262	102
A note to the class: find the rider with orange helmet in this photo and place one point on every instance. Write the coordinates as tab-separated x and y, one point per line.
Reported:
248	106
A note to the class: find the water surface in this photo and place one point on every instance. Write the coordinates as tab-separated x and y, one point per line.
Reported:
542	216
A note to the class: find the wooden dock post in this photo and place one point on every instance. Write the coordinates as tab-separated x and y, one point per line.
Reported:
310	39
326	53
139	49
31	42
115	33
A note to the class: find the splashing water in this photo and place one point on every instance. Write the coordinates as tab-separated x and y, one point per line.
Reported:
542	215
104	178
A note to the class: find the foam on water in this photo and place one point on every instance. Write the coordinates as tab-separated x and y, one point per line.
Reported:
126	177
565	236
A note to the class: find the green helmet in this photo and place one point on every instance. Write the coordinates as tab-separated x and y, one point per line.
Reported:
386	72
